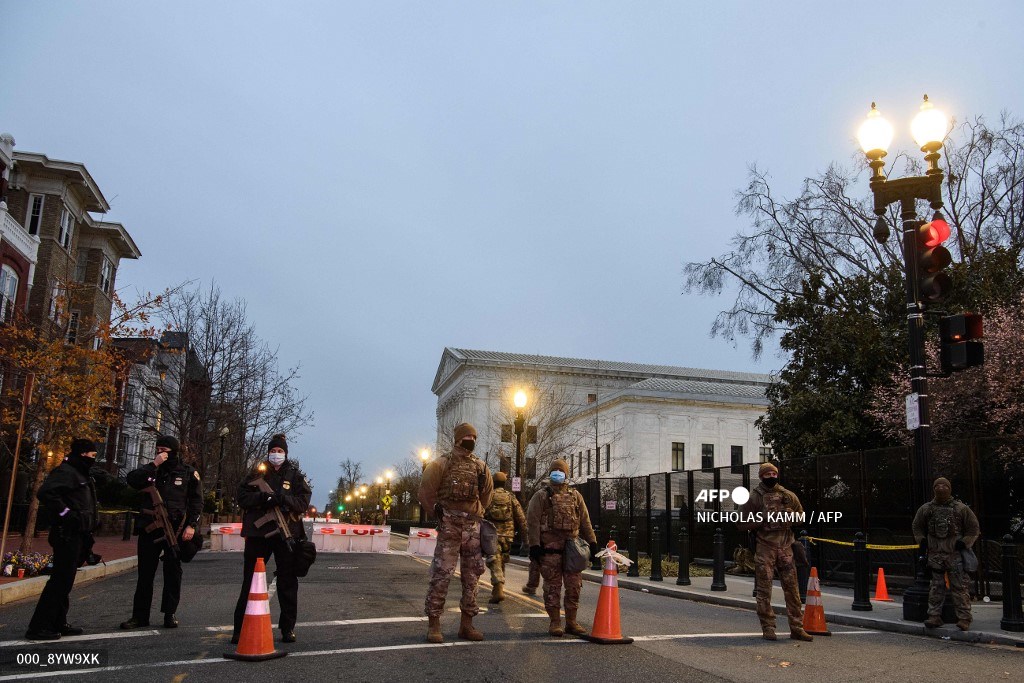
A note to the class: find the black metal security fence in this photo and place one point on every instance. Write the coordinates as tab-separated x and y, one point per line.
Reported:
868	491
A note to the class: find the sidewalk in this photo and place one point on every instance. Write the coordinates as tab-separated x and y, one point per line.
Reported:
884	616
118	556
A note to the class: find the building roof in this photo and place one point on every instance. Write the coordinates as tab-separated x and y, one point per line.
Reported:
697	390
453	358
72	170
115	234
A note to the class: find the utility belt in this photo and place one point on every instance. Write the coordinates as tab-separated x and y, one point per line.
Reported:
464	515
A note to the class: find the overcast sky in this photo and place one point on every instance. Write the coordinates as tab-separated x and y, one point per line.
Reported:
382	180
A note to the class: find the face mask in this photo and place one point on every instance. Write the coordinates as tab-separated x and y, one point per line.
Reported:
558	477
770	482
943	495
468	444
276	459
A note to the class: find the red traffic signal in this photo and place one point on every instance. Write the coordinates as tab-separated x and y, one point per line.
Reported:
935	232
961	347
932	259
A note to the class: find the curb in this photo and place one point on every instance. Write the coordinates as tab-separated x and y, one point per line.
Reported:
908	628
30	588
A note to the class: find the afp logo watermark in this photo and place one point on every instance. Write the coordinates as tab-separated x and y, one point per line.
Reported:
739	495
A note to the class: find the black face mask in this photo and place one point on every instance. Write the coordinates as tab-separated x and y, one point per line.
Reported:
468	444
770	482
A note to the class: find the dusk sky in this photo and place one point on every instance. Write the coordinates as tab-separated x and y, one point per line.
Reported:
382	180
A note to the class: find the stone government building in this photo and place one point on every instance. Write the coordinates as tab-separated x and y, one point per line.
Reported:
622	419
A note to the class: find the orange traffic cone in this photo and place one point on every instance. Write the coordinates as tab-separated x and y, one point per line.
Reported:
256	641
814	614
881	592
607	630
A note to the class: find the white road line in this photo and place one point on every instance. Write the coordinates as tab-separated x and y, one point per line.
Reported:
380	648
82	638
378	620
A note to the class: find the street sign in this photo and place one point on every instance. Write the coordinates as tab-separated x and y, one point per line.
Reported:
517	484
386	502
913	411
610	504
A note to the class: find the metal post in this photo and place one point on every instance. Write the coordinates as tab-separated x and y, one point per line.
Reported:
861	598
656	555
595	562
718	578
519	424
684	556
1013	618
127	535
634	554
803	572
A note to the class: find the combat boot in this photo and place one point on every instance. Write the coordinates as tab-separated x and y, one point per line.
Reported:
768	633
800	634
434	630
963	625
529	590
933	622
497	593
572	627
555	629
466	629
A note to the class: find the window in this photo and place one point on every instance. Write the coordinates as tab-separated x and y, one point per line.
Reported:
81	265
129	400
678	456
35	213
707	456
160	419
67	227
736	455
588	462
8	292
591	398
572	461
72	335
122	448
56	303
597	460
579	456
678	500
106	275
766	453
607	457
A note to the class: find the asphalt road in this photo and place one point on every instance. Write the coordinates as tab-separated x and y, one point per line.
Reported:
361	619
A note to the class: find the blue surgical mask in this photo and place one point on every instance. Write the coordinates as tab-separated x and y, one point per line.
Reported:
276	459
558	477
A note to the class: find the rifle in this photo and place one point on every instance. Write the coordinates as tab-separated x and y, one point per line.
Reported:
162	521
274	515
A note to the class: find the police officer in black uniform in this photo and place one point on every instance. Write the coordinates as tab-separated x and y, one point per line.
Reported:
69	497
289	491
182	492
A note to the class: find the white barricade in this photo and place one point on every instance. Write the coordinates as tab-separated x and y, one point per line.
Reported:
351	538
422	541
226	537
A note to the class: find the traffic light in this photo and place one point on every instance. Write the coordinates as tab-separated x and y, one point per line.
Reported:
932	259
341	508
961	346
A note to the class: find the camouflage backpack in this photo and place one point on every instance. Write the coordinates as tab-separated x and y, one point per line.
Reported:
501	506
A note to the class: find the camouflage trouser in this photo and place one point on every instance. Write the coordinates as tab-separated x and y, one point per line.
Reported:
533	580
496	563
458	539
767	560
951	565
554	577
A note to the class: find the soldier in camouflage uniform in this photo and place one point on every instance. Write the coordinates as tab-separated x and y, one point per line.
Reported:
774	551
458	489
507	515
944	527
555	514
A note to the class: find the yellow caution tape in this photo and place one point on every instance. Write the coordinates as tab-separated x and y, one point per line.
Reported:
870	546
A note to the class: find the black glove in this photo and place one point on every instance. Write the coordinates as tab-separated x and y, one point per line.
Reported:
960	545
438	511
71	522
922	547
536	553
593	550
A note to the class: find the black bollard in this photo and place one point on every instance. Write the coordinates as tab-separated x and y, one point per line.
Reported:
595	563
634	554
1013	618
656	555
861	574
803	571
128	523
718	573
684	556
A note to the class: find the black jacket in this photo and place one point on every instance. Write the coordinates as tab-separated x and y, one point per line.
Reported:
66	487
291	492
180	487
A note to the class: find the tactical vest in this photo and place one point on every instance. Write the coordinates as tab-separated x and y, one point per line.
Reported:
460	480
943	521
563	514
776	501
501	506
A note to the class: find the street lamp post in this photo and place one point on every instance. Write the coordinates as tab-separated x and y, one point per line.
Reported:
424	459
387	492
520	422
929	128
223	433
